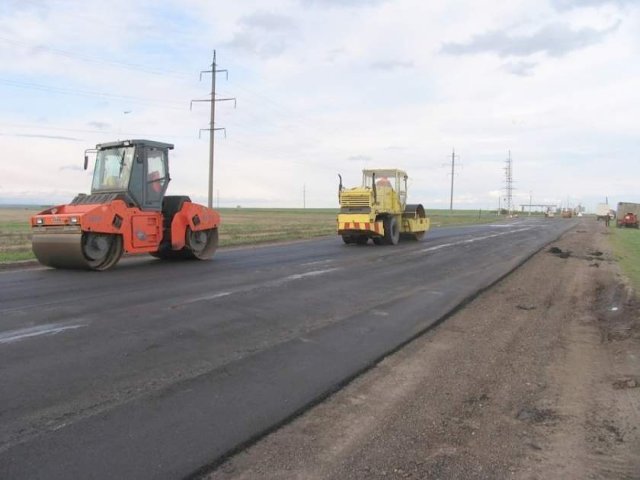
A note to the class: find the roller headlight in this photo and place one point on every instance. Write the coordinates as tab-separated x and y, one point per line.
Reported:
39	221
74	220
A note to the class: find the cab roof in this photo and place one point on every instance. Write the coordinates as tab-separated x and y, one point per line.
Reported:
385	172
135	142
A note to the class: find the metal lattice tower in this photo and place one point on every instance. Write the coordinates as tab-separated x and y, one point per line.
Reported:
508	170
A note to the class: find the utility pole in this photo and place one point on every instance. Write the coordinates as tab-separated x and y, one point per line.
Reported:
453	169
453	174
212	128
304	195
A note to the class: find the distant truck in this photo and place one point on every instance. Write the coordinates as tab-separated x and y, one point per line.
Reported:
627	214
603	211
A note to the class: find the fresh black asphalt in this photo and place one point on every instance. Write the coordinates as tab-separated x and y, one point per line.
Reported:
158	369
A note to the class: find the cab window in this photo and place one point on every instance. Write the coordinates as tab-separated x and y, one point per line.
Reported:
156	174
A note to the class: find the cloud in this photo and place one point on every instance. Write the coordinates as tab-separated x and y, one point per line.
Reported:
99	125
74	168
264	34
391	65
342	3
570	4
267	21
522	69
47	137
556	40
359	158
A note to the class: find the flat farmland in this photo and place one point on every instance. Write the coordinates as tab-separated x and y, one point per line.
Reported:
15	235
240	226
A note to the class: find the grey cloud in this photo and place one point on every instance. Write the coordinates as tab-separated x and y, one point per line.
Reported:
359	158
264	34
35	135
394	148
75	168
556	40
342	3
335	54
98	124
391	65
570	4
253	44
267	21
522	69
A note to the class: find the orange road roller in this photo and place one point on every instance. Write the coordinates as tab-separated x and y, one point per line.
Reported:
126	212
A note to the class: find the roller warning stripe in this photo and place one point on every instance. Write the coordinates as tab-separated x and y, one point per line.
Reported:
369	226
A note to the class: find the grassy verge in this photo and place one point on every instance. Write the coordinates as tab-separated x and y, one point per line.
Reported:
240	226
253	226
626	244
443	218
15	233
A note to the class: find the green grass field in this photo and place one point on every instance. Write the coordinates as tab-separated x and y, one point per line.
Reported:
240	226
626	243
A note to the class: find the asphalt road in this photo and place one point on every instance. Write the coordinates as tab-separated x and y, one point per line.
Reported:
158	369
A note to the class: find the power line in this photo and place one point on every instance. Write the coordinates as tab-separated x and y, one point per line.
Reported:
88	59
212	124
88	93
86	130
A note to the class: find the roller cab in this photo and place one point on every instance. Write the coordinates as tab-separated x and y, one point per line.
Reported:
126	212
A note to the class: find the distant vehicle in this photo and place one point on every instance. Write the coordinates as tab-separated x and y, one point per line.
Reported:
566	213
629	220
603	211
627	214
378	210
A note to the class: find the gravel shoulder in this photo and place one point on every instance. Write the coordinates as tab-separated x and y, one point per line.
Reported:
536	378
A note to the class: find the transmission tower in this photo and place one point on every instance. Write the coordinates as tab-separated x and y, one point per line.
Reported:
212	121
508	170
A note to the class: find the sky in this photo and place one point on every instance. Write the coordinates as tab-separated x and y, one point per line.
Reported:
328	87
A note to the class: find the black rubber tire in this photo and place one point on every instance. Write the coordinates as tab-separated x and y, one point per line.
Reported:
378	240
362	239
347	239
391	230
